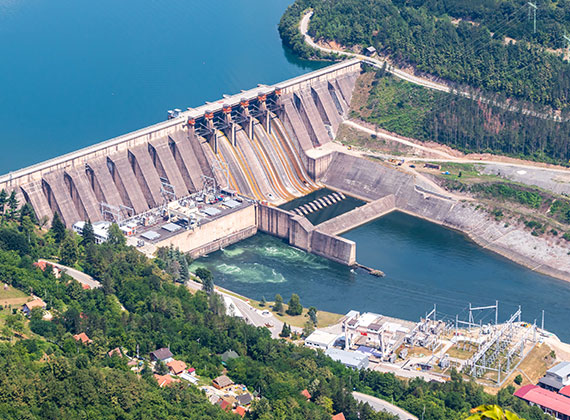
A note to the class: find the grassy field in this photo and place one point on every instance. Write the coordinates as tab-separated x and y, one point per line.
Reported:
12	296
324	318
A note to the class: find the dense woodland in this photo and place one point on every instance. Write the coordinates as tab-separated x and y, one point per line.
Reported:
48	375
465	124
412	33
507	17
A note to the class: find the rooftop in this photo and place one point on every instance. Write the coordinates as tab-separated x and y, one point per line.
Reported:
223	381
36	303
322	338
161	354
561	369
177	366
346	357
544	398
83	338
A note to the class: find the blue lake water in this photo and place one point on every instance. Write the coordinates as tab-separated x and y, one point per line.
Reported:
424	264
78	72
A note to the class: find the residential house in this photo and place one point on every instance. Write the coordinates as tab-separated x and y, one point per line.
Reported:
176	367
240	411
339	416
305	393
116	351
224	404
36	303
229	355
222	382
165	380
83	338
163	354
244	399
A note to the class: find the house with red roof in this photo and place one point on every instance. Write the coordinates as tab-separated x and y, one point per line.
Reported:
116	351
176	367
36	303
165	380
305	393
339	416
565	391
83	338
240	410
224	404
550	402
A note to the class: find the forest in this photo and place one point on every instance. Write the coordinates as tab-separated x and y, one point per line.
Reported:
46	374
472	126
463	54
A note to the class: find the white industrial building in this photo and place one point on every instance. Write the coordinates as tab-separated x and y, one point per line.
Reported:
352	359
100	229
556	377
320	340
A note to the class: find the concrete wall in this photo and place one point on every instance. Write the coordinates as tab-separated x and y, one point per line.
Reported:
359	216
300	233
333	247
274	221
218	233
318	165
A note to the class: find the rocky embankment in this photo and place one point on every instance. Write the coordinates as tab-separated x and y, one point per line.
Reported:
372	181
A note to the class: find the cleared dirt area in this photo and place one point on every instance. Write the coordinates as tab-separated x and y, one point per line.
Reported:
10	296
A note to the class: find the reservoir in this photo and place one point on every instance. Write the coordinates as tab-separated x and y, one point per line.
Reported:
79	72
424	264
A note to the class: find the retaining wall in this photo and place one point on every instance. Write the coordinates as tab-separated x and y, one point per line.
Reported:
301	233
216	234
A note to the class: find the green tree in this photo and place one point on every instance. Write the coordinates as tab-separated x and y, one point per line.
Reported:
12	205
3	200
207	279
313	315
88	234
184	269
28	210
278	305
161	368
294	307
308	328
518	379
285	331
116	238
57	228
69	251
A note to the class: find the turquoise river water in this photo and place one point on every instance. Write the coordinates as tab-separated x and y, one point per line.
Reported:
76	72
424	264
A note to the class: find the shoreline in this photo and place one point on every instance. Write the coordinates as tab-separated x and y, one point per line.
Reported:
515	257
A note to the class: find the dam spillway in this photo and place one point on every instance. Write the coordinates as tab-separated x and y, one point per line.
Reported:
254	143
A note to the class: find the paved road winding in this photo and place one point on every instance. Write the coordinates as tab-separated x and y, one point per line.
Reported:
380	405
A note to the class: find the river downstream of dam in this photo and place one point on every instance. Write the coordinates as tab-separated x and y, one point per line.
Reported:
424	264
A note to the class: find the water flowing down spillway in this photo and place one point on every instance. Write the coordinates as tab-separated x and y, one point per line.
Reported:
424	264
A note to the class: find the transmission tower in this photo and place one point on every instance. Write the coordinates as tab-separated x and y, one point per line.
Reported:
533	7
568	44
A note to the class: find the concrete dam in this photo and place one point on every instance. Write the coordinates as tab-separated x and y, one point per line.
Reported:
253	143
